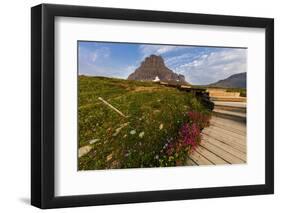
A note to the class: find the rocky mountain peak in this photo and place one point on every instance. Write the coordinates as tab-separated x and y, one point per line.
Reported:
152	67
153	61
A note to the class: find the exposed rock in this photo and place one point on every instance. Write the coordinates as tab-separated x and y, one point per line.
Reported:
93	141
153	67
84	150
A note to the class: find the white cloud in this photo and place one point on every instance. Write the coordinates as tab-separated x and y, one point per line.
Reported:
94	56
100	54
130	68
147	49
178	59
209	68
165	49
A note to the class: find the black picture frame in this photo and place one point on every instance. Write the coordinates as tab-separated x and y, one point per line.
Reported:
43	102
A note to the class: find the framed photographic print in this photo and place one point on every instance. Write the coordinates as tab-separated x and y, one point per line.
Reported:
139	106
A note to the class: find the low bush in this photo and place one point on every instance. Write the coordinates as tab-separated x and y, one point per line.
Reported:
176	152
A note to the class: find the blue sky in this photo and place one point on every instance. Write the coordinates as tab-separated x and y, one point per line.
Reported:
199	65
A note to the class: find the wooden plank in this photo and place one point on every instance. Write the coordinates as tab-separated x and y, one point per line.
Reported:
237	129
229	128
199	159
231	104
231	113
190	162
112	107
214	117
221	153
221	136
231	108
239	125
229	99
226	139
210	156
234	144
226	132
228	148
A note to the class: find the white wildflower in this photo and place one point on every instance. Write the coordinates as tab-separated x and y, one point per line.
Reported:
141	134
132	132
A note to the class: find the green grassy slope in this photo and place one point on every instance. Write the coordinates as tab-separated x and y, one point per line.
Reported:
155	114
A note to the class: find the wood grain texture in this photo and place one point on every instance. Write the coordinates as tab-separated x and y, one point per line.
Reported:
223	142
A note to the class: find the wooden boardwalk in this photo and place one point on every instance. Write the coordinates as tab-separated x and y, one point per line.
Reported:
223	142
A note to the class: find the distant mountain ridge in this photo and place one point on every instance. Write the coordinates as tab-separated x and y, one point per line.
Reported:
233	81
153	67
